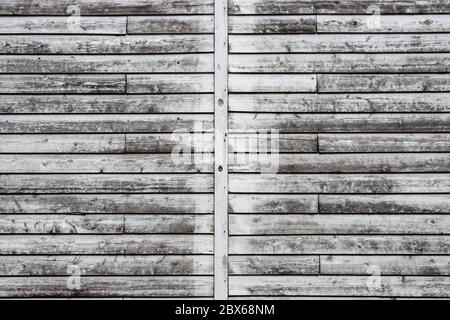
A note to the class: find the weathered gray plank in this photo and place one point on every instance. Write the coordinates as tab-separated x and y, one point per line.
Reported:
383	23
350	43
105	7
107	286
106	44
104	203
342	122
65	143
340	163
105	183
53	83
175	142
170	24
169	63
425	203
62	25
269	224
166	83
391	102
384	142
388	265
340	7
106	244
256	141
271	24
244	203
61	123
272	83
180	103
340	244
383	83
142	163
273	265
172	224
105	224
106	265
339	63
340	183
339	286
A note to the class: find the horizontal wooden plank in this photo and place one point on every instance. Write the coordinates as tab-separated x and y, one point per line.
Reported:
175	142
266	140
341	122
167	83
170	24
106	183
245	203
142	163
339	7
383	83
271	24
384	142
339	286
61	123
106	265
339	63
340	183
340	244
388	265
54	83
104	203
63	25
275	265
350	43
62	143
20	287
338	163
270	224
105	224
425	203
390	102
170	63
105	7
179	103
271	83
383	23
75	44
172	224
106	244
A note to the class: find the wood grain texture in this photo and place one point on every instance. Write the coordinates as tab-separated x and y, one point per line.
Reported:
254	141
97	265
105	183
244	203
344	43
62	25
180	103
389	265
54	83
395	204
339	286
254	265
170	143
271	24
271	83
179	63
399	142
105	7
170	24
107	287
107	204
79	44
340	183
341	122
304	103
166	83
340	244
105	244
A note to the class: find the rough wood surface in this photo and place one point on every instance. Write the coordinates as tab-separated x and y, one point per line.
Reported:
272	24
254	265
244	203
272	83
252	141
166	83
170	24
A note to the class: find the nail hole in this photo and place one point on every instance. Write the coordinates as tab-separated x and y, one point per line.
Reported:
220	102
